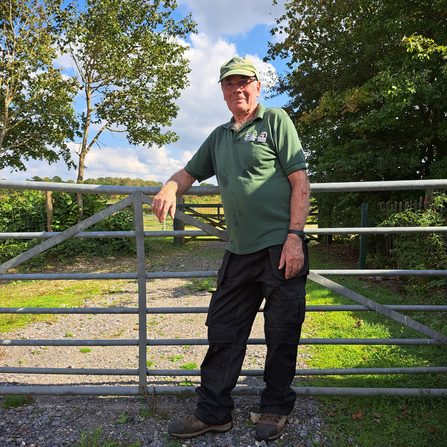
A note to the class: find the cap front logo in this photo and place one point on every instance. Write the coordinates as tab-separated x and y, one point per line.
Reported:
240	62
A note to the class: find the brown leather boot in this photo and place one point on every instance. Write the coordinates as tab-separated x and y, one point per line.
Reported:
190	427
270	426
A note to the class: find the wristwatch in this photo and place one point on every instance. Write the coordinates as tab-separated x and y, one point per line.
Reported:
300	233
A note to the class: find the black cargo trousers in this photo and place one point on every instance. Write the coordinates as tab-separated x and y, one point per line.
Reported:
243	282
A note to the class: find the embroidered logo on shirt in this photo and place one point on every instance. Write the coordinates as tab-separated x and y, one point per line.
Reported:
253	137
250	137
262	137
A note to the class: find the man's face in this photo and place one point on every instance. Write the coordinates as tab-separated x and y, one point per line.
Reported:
241	100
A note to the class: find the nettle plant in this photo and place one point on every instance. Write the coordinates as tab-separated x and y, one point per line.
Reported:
426	251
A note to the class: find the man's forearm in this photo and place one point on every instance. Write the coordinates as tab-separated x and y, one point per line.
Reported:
292	256
180	182
299	201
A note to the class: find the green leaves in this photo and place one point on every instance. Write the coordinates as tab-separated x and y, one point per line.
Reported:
425	251
366	82
36	112
131	67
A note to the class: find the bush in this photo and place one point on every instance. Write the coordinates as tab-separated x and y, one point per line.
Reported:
22	211
66	214
425	251
66	210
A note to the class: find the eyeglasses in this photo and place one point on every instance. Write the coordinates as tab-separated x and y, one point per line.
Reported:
243	83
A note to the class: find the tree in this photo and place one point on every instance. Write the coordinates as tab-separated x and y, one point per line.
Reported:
131	67
36	114
367	81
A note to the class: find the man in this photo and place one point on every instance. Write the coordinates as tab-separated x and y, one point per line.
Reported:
260	168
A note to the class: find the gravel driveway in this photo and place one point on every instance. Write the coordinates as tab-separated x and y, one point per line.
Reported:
58	420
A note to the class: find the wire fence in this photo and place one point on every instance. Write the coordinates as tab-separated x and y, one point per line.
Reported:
23	219
26	219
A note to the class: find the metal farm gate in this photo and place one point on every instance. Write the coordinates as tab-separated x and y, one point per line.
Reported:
138	196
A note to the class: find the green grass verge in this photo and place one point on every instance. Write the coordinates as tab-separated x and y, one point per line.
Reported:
385	420
48	294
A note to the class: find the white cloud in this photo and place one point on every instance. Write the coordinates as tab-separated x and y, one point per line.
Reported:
229	17
65	61
41	169
202	107
146	163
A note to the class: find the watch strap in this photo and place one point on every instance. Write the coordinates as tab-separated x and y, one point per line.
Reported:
299	233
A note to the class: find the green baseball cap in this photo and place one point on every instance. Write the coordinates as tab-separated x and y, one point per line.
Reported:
238	66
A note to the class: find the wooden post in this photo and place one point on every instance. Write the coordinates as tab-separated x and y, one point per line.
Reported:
179	224
364	223
49	210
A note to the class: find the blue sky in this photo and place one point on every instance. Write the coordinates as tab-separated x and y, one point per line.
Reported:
226	28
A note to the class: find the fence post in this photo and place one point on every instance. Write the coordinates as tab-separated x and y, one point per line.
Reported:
179	224
49	210
363	223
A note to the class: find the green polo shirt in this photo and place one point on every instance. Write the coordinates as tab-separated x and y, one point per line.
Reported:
251	166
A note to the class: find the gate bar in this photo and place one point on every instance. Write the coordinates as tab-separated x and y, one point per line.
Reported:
331	285
244	372
389	185
221	233
204	342
204	310
207	274
190	391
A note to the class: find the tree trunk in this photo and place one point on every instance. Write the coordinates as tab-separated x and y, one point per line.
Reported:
80	179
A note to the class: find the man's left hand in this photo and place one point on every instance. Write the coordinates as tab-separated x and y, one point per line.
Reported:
292	256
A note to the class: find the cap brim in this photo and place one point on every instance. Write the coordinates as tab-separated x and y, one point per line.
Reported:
238	71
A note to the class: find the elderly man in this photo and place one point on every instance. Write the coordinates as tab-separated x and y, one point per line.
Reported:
260	168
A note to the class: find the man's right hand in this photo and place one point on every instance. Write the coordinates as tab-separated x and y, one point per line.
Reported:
165	201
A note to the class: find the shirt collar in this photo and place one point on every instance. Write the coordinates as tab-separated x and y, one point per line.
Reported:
259	114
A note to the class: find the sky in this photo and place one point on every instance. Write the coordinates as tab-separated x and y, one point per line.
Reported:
226	28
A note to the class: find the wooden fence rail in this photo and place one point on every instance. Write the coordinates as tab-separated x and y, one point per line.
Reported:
389	208
398	207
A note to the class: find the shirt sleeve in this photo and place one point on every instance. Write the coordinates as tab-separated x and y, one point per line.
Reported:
288	145
201	165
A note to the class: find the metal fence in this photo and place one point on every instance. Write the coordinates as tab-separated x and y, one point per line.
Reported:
139	196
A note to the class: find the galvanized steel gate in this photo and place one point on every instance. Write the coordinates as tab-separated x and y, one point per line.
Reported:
139	196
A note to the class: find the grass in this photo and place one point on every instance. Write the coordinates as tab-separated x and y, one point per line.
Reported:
96	440
387	421
201	285
85	350
15	401
176	358
384	420
47	294
122	420
370	325
189	366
